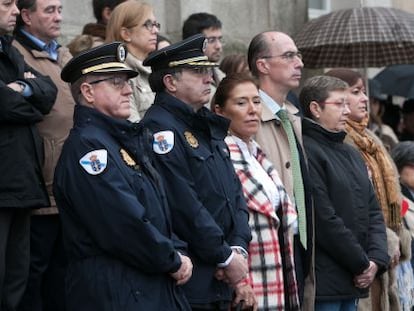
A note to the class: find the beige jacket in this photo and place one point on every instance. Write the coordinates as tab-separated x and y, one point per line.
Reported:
142	97
55	127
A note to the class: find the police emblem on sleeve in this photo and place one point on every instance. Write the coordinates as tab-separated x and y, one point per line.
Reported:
94	162
191	140
163	142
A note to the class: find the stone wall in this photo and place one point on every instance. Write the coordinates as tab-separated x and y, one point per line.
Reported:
242	19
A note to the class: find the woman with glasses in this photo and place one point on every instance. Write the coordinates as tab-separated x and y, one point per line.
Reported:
272	218
134	23
384	177
350	238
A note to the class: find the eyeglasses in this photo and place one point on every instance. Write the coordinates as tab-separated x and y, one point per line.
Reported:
201	70
212	40
341	105
149	24
117	82
290	56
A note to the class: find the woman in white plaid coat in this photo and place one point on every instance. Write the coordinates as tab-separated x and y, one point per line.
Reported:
272	216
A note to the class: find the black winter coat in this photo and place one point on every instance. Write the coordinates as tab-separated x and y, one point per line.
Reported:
349	226
204	192
21	150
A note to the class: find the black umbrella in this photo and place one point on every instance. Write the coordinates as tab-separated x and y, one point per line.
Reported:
397	80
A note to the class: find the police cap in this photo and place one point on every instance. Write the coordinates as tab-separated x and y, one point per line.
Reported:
106	58
186	53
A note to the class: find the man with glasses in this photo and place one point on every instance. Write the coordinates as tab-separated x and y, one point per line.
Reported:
115	219
204	193
277	64
210	26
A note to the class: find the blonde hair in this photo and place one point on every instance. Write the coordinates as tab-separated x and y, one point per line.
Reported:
127	14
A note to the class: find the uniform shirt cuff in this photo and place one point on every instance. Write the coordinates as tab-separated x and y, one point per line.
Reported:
227	262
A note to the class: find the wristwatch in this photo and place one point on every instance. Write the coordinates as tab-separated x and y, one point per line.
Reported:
241	251
22	85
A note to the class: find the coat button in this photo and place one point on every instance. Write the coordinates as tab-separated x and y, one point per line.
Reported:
287	165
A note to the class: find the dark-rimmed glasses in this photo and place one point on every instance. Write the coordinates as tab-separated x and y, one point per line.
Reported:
149	24
117	82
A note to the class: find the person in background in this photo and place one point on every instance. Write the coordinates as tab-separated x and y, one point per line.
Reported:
272	216
384	176
79	44
134	23
376	111
26	97
205	195
162	42
277	64
403	156
407	124
348	219
210	26
102	10
116	222
234	63
38	28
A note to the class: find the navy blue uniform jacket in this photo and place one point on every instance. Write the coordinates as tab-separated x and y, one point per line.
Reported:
203	191
116	226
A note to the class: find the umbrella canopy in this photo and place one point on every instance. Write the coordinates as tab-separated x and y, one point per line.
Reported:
397	80
358	38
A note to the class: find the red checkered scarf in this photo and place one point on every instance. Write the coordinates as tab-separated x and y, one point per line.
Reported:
265	257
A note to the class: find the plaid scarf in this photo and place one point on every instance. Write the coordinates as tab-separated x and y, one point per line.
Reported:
274	285
383	173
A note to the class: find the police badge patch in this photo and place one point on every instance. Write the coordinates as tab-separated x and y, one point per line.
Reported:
94	162
191	140
163	142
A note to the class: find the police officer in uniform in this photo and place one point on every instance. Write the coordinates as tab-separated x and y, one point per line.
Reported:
116	223
203	191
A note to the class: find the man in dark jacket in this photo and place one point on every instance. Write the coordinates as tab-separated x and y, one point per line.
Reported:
37	29
204	193
116	223
25	97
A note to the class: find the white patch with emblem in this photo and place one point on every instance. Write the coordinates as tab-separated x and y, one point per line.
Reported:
94	162
163	142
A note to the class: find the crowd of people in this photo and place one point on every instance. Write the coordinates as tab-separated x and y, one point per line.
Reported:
142	174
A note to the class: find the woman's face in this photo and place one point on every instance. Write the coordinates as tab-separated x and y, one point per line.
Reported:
243	107
358	101
142	38
334	113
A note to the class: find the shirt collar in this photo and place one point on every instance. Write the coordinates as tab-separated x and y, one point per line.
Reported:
50	48
270	102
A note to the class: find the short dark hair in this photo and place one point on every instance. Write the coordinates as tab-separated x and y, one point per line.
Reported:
30	5
227	85
155	79
258	47
403	154
99	5
198	22
317	89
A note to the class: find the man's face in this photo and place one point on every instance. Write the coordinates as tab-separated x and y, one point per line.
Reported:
214	47
193	86
44	22
110	94
8	15
284	63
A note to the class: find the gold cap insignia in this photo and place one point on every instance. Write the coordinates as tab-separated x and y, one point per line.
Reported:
128	159
191	140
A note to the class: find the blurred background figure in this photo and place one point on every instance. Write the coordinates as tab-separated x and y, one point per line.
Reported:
134	23
376	112
234	63
162	42
80	43
272	215
407	125
384	176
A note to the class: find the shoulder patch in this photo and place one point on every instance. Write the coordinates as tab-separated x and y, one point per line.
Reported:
94	162
163	142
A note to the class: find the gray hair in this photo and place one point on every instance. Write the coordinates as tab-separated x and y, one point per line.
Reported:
403	154
317	89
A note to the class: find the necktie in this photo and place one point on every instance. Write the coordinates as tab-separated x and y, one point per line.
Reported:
298	190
